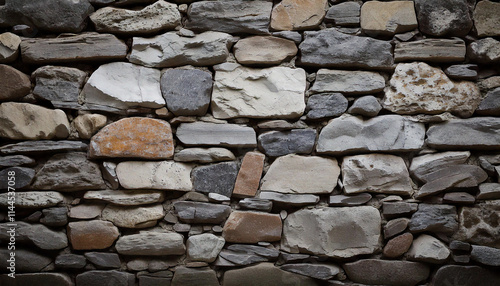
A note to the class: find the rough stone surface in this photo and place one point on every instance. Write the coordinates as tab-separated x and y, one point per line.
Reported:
70	261
325	48
248	179
489	191
252	227
45	279
484	51
35	234
151	244
349	134
112	278
103	260
398	245
125	198
85	211
204	247
94	234
134	138
33	199
348	82
344	14
397	209
204	155
319	231
227	135
26	261
459	198
230	16
324	105
44	146
478	224
196	212
68	172
434	218
55	216
317	271
368	106
9	47
299	174
444	18
161	175
465	275
170	49
486	18
375	173
13	83
388	18
486	255
192	277
490	105
426	248
426	164
153	18
265	273
431	50
264	50
15	161
289	199
22	178
256	204
21	121
217	178
258	93
187	91
133	217
298	15
280	143
393	273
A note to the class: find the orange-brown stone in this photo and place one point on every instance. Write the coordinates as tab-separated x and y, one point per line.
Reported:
398	245
94	234
252	227
134	137
247	182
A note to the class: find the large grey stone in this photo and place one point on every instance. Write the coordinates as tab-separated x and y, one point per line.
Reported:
108	278
444	17
484	51
33	199
434	218
384	272
171	50
256	204
348	82
228	135
324	105
204	247
25	260
465	276
70	261
486	18
68	172
326	48
480	133
265	274
151	244
196	212
489	191
280	143
9	47
16	178
35	234
462	72
320	231
388	18
490	105
194	276
43	147
478	224
233	17
126	198
133	217
426	164
54	217
476	172
187	91
431	50
217	178
349	134
42	279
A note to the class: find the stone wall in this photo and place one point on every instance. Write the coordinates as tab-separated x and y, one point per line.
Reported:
301	142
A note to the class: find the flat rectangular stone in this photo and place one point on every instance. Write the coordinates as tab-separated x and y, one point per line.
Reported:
252	227
290	199
43	146
247	182
228	135
348	82
433	50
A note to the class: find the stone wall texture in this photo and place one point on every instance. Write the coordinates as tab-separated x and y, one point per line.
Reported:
236	142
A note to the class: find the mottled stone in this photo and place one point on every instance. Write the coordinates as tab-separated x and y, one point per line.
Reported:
444	17
319	231
111	278
248	179
462	72
368	106
490	105
344	14
9	47
317	271
88	124
33	199
265	274
426	248
227	135
104	260
484	51
478	224
85	211
204	155
256	204
348	201
204	247
43	147
300	174
434	218
289	199
388	18
70	261
196	212
486	255
324	105
133	217
13	83
465	275
280	143
281	124
486	18
193	277
423	165
252	227
398	245
217	178
126	198
16	178
298	15
393	273
264	50
431	50
151	244
94	234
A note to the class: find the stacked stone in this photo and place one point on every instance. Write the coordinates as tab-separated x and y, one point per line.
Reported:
251	143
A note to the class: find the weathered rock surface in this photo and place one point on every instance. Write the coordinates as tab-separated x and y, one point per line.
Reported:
125	198
68	172
388	18
350	134
348	82
431	50
490	105
248	179
317	271
264	50
325	48
426	248
426	164
217	178
43	146
326	105
252	227
258	93
88	124
419	88
489	191
256	204
397	209
368	106
70	261
204	247
15	161
227	135
298	15
94	234
55	216
319	231
484	51
187	91
344	14
289	199
21	121
196	212
133	217
478	224
170	49
112	277
84	47
204	155
102	260
26	261
33	199
444	18
465	275
22	178
265	273
235	17
35	234
151	244
376	173
280	143
153	18
486	18
9	47
85	211
194	276
394	273
161	175
299	174
13	83
486	255
37	278
434	218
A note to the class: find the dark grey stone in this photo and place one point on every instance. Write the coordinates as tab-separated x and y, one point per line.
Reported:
217	178
187	92
196	212
447	182
105	278
465	276
485	255
70	261
385	272
317	271
43	146
326	48
440	18
69	172
256	204
280	143
460	246
434	218
290	199
292	257
344	14
55	216
490	105
290	35
234	17
462	72
26	260
269	253
21	179
325	105
461	198
366	106
241	258
16	160
147	280
487	162
103	260
38	279
37	234
184	276
353	200
390	209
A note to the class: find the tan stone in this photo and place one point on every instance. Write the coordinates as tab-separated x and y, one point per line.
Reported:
398	245
298	14
85	211
247	182
133	217
88	124
388	18
487	18
264	50
13	83
134	138
9	47
252	227
94	234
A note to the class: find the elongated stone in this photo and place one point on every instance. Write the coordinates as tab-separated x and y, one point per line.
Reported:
36	234
133	217
228	135
388	18
265	274
298	15
426	164
125	198
289	199
252	227
432	50
151	243
43	146
393	273
465	275
203	155
196	212
280	143
264	50
348	82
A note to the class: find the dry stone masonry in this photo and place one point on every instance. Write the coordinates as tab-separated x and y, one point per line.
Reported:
235	143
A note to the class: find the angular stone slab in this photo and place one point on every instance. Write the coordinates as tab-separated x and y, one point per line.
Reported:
388	18
348	201
289	199
33	199
217	178
256	204
93	234
151	244
324	105
134	138
185	276
386	133
102	260
298	15
320	231
203	155
348	82
16	178
326	48
264	50
486	255
9	44
196	212
478	224
15	161
393	273
480	133
265	274
227	135
13	83
484	51
293	174
432	50
85	47
26	261
344	14
252	227
258	93
133	217
204	247
429	249
434	218
280	143
59	279
35	234
318	271
126	198
490	105
43	146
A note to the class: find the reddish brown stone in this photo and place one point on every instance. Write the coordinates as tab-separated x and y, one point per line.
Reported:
13	83
94	234
247	182
398	245
134	138
252	227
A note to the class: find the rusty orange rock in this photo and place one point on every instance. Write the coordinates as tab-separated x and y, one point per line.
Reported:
134	137
252	227
247	182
